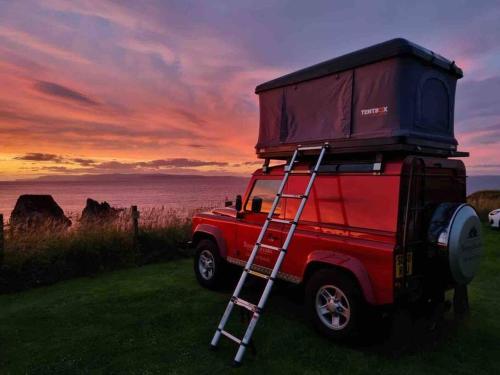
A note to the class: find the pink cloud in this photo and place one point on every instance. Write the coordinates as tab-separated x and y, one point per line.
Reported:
129	81
33	43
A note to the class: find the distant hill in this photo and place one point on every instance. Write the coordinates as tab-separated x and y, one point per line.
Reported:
474	183
114	177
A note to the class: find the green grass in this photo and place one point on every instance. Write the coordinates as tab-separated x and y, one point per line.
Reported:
156	320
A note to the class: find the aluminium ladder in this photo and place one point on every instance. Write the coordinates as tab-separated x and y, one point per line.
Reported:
256	310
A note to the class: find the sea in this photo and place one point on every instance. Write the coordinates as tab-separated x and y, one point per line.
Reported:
183	194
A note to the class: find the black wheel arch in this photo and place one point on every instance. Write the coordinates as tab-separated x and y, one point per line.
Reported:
315	266
198	236
210	232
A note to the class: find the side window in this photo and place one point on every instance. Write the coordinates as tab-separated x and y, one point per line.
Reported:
265	189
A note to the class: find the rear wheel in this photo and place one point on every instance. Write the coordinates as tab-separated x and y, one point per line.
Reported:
333	303
209	267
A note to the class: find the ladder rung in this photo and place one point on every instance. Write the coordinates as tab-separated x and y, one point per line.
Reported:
231	337
307	148
270	247
295	196
247	305
258	274
282	221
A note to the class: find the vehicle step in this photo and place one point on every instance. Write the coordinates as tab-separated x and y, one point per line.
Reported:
270	247
258	274
231	337
247	305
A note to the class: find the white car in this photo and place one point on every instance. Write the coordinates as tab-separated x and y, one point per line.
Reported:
494	218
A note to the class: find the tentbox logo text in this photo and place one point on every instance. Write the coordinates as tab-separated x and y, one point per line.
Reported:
378	111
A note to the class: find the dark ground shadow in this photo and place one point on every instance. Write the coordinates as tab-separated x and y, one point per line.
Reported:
387	334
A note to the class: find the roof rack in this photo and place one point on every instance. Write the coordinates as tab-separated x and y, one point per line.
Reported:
360	148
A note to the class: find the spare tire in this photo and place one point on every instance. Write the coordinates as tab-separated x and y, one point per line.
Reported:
456	229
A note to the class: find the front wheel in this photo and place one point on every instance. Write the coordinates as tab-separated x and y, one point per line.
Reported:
333	303
210	269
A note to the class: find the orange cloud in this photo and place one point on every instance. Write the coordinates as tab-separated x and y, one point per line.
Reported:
132	83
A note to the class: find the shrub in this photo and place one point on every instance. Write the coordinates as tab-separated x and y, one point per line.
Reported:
484	202
46	255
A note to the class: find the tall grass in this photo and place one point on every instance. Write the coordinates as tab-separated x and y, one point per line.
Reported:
45	254
484	202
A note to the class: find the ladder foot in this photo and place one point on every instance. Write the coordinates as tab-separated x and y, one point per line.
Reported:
236	364
213	347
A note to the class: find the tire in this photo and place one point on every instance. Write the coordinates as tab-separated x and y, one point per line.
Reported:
209	267
339	298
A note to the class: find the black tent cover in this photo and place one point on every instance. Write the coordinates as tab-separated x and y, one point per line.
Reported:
391	93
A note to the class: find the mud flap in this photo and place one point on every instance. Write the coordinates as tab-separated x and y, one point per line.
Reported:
416	328
401	327
461	302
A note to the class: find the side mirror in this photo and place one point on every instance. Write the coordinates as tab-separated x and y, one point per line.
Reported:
238	203
256	204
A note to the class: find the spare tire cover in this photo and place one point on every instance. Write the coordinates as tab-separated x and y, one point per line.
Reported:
462	237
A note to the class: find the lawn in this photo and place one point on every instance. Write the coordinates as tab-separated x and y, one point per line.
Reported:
155	319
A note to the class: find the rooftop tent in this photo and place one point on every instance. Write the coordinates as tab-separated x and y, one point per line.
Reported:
378	98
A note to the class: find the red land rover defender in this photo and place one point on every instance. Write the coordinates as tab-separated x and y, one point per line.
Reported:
386	221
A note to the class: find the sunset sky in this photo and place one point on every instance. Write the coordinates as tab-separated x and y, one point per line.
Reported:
168	86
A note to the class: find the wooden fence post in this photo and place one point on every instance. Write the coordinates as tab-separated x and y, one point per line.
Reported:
2	240
135	223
